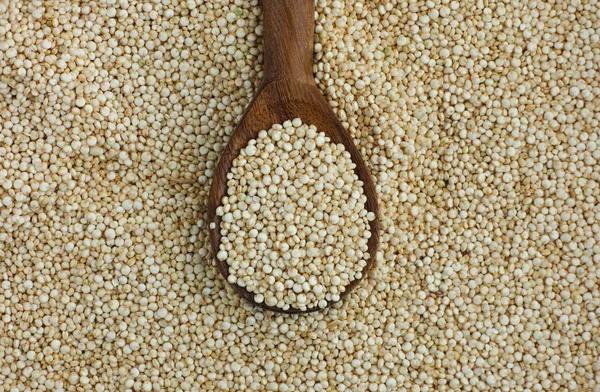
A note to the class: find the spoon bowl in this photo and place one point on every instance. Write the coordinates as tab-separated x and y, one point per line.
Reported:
288	91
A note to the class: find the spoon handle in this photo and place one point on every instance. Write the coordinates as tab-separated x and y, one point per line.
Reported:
288	32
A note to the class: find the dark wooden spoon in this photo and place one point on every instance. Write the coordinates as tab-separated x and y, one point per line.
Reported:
287	91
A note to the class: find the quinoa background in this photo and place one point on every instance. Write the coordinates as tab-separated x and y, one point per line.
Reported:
479	121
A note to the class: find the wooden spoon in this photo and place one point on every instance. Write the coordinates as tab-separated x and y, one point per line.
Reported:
287	91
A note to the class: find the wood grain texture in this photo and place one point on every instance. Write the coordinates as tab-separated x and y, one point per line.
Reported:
288	36
288	91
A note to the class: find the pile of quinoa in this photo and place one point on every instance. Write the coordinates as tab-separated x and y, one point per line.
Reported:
479	121
294	226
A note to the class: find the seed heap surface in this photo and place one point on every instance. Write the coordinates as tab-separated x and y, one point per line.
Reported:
479	121
294	224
